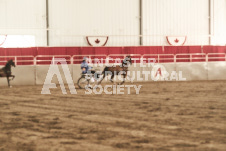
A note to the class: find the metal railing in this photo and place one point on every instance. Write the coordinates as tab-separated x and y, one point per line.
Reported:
76	59
212	57
161	58
19	60
43	59
200	57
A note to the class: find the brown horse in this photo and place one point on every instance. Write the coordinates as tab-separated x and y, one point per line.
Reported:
116	70
6	71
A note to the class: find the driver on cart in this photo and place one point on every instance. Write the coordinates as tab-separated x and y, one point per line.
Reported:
85	67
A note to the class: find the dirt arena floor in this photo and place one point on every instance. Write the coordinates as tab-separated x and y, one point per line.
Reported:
164	116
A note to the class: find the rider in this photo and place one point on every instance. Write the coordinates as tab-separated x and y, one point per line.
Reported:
126	61
85	67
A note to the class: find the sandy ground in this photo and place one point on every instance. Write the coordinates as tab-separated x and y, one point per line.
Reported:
164	116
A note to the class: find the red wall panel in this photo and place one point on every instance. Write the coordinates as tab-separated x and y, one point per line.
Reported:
34	51
214	49
182	49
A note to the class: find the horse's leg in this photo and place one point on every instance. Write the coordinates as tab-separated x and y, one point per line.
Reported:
13	76
112	76
8	81
101	79
124	77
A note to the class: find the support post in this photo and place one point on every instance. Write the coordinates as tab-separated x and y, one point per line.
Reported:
141	22
47	22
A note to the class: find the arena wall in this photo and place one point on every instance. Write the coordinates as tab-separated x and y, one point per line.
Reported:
43	70
36	74
195	62
216	71
24	75
194	70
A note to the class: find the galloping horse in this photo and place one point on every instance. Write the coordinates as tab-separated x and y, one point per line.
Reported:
115	70
6	71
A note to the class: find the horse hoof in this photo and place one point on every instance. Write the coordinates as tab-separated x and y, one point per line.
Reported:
10	86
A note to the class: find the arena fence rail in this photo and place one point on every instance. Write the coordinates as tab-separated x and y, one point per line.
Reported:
32	70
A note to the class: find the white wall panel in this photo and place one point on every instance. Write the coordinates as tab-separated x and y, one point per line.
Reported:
43	70
163	18
72	20
20	78
24	17
193	71
219	22
216	70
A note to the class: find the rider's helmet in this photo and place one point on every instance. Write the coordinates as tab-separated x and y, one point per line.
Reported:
85	59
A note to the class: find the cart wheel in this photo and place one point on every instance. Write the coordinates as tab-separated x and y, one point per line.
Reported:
83	82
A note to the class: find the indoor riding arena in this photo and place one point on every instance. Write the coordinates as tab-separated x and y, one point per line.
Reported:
112	75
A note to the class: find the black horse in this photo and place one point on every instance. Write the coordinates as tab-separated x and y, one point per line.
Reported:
6	71
115	70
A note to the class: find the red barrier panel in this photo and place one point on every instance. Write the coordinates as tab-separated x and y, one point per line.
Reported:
18	51
182	49
218	50
214	49
51	50
161	54
34	51
143	50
